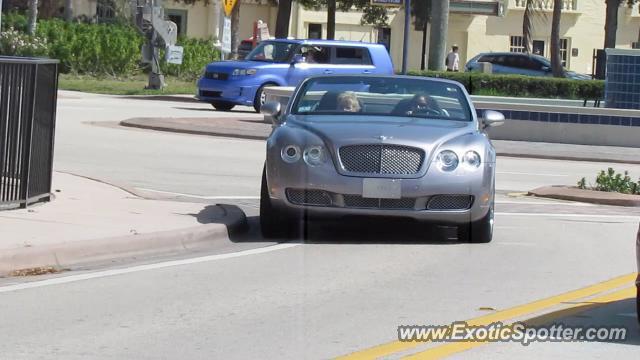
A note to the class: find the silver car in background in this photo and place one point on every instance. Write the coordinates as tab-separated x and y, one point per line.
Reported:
379	146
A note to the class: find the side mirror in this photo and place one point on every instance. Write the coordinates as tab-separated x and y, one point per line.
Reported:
546	69
297	58
492	118
271	111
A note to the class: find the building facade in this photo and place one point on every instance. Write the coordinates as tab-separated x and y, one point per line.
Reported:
474	25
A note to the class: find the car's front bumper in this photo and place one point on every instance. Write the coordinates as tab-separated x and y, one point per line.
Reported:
478	184
239	92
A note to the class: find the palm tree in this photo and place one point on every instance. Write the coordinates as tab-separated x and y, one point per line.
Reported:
527	26
33	16
556	60
331	19
235	25
282	21
438	35
68	10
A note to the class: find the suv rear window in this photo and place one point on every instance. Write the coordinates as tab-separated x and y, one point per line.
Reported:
352	56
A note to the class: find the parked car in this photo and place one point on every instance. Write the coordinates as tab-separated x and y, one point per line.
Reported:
379	146
518	64
286	63
245	48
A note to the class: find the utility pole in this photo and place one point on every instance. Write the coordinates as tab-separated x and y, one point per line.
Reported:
0	14
407	28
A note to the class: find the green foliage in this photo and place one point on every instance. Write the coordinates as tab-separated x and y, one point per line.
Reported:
522	86
14	20
15	43
197	54
96	49
582	184
611	181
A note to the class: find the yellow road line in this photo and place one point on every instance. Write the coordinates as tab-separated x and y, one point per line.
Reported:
398	346
445	350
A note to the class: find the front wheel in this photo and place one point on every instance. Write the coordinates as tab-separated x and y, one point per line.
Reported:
261	97
479	231
273	222
223	105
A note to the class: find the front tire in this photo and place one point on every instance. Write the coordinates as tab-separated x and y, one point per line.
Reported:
261	98
223	105
479	231
273	222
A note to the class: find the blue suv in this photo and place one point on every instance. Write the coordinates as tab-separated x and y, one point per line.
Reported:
285	62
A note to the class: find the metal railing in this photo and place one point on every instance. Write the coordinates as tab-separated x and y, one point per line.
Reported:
547	5
28	96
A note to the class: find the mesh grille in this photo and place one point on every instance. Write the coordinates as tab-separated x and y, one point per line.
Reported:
216	75
308	197
450	202
381	159
356	201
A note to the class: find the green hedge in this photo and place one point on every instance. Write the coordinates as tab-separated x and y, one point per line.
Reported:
522	86
94	49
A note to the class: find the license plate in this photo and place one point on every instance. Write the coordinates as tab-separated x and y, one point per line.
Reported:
381	188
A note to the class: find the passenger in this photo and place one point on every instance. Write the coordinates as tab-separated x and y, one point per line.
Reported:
348	102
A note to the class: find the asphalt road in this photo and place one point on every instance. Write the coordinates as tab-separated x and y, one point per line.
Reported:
343	290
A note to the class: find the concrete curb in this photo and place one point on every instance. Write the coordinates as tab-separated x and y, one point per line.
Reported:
567	158
133	123
75	253
182	130
587	196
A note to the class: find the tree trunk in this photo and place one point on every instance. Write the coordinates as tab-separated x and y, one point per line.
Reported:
423	58
527	27
556	60
611	23
68	10
438	34
282	22
33	16
235	25
331	19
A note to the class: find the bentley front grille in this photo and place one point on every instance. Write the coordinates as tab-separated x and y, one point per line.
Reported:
381	159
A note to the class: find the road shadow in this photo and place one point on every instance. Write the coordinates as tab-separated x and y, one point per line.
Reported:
213	110
355	230
162	98
614	314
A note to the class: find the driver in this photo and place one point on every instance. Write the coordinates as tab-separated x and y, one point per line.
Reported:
348	102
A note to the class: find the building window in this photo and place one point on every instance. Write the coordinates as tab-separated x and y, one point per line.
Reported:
314	31
516	44
384	37
564	52
179	17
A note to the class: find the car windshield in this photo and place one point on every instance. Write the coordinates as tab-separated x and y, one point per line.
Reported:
272	51
381	96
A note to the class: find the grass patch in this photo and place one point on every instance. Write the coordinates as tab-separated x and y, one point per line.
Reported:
129	86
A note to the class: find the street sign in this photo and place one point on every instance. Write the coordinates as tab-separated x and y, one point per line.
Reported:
226	36
174	54
387	2
228	6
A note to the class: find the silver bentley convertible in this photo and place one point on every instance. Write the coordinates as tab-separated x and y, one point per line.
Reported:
379	146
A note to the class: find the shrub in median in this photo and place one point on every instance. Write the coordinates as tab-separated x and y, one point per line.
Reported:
610	181
15	43
522	86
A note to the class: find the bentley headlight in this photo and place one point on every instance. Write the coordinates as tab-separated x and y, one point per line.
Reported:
314	155
290	153
471	159
447	160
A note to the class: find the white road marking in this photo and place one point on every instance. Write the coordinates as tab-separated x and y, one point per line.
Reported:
139	268
542	203
239	197
619	217
529	174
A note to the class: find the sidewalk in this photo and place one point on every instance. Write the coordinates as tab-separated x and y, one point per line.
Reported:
252	126
93	221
